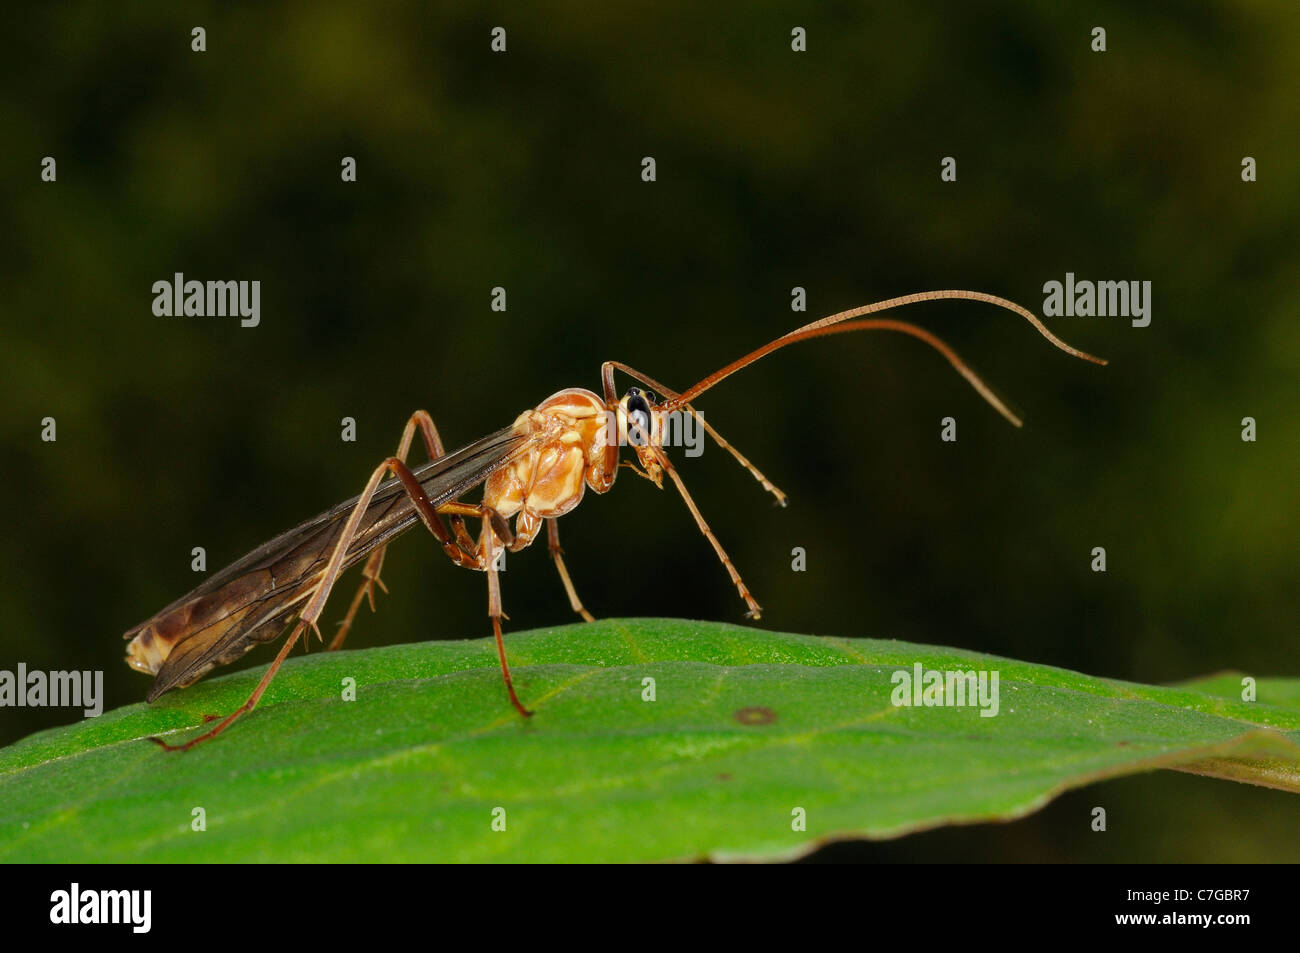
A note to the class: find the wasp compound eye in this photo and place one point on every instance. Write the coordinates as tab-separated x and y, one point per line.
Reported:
638	414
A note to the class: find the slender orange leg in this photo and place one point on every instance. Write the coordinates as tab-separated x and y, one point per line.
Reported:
457	512
557	554
607	377
755	472
487	552
370	571
493	526
429	515
755	610
248	705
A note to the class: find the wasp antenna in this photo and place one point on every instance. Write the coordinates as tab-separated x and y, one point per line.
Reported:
844	322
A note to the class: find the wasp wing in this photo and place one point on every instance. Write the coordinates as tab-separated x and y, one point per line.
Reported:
250	601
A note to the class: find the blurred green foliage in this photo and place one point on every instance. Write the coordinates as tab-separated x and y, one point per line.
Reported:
775	169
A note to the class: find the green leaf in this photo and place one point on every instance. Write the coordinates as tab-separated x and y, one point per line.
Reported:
747	726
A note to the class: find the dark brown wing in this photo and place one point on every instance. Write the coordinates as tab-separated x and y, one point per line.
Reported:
250	601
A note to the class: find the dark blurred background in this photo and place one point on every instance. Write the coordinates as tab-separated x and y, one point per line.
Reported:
775	169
